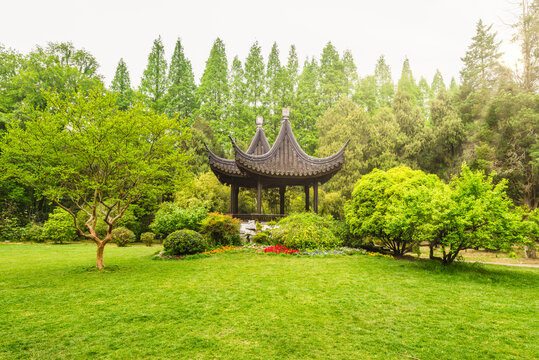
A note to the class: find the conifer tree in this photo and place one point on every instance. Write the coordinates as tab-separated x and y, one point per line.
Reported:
290	78
308	107
238	121
213	92
350	73
181	96
121	84
527	34
154	80
366	94
437	83
480	59
407	82
424	96
274	87
254	78
385	88
332	78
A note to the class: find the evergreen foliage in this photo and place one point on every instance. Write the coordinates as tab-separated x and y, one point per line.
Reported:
154	82
121	84
181	98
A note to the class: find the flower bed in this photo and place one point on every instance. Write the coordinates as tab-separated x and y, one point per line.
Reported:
220	250
280	249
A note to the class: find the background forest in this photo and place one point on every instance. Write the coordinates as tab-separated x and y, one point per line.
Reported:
488	119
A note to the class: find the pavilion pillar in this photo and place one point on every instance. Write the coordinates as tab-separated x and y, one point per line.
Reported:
282	190
259	197
233	199
306	198
315	197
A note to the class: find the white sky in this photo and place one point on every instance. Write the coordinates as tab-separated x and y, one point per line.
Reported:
432	34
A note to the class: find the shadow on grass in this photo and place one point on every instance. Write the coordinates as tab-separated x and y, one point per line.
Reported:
480	273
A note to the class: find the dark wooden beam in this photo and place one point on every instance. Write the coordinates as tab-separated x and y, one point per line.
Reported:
236	201
259	197
232	199
307	198
315	197
282	190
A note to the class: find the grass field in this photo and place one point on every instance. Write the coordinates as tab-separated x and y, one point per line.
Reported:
245	305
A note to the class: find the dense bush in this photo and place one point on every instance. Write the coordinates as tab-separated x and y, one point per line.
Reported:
10	230
171	217
262	237
147	238
122	236
33	232
59	228
306	231
221	229
184	242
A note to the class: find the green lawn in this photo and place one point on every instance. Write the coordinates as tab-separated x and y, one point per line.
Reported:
245	305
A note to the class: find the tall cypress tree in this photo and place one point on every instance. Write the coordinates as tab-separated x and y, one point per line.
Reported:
290	78
238	120
407	82
366	94
437	83
274	88
332	78
121	84
350	73
181	96
385	88
154	80
308	107
213	92
254	78
424	96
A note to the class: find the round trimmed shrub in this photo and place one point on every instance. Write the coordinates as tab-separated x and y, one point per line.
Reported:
184	242
147	238
303	231
221	230
122	236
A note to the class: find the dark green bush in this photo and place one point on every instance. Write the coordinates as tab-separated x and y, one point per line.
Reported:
171	217
306	231
33	232
147	238
122	236
10	230
184	242
221	229
59	228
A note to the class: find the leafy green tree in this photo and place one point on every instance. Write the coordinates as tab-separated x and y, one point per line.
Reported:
84	154
240	124
411	124
366	94
154	82
478	214
121	85
480	59
213	92
332	77
391	206
385	89
181	98
527	33
425	95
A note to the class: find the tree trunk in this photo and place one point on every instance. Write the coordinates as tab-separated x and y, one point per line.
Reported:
100	262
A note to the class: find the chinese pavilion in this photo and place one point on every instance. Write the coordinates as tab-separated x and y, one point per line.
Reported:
281	165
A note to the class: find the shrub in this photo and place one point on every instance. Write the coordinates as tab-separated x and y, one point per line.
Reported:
262	237
122	236
306	231
171	217
10	230
147	238
221	229
184	242
33	232
59	228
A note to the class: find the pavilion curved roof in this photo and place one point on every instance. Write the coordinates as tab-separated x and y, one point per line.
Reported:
284	162
286	159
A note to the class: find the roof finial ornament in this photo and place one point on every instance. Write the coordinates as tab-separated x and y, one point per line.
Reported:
286	113
259	121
